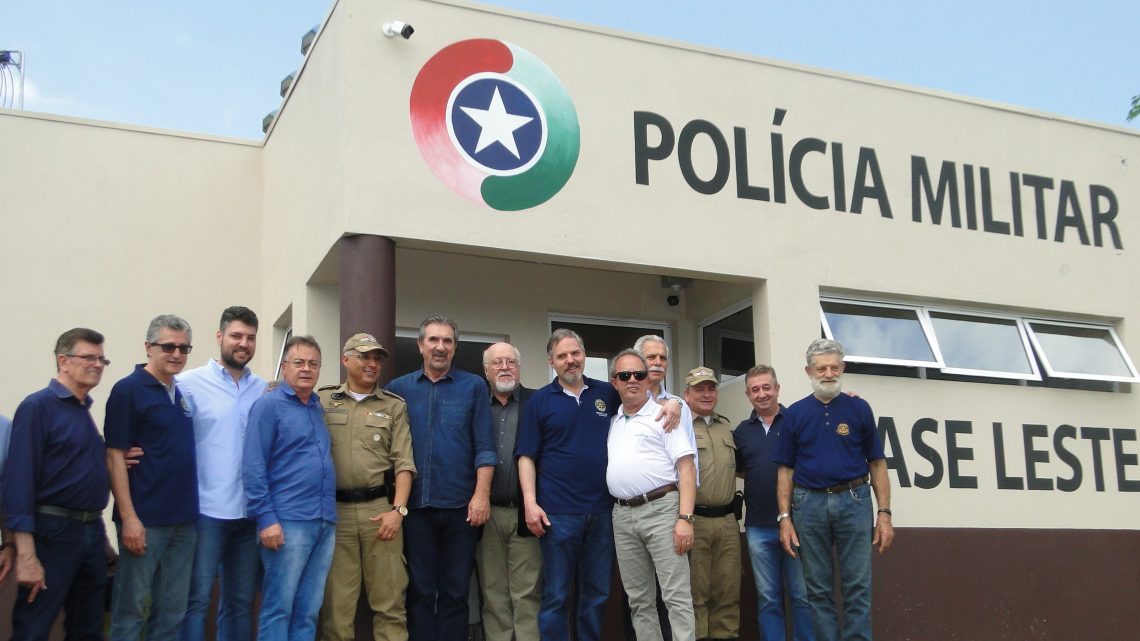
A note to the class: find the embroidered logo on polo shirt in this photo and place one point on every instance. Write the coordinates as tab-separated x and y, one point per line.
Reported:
185	406
843	429
600	405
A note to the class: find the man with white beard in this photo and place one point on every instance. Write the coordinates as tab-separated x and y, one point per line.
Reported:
509	556
827	450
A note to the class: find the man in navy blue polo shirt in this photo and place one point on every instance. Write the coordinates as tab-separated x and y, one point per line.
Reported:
561	451
453	444
828	452
156	505
756	440
55	489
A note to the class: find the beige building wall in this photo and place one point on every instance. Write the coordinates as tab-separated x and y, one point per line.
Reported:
107	226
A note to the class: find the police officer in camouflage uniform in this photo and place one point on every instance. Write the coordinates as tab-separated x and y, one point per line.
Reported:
714	562
370	437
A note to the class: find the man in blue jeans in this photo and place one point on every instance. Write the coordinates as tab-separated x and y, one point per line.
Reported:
453	444
561	451
290	489
756	440
828	452
157	504
220	394
55	490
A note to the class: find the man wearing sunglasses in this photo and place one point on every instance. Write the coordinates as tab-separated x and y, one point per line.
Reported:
561	452
653	476
156	506
55	490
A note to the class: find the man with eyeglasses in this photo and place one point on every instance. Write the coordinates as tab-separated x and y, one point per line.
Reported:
653	476
290	489
371	447
509	556
156	505
55	490
454	447
221	393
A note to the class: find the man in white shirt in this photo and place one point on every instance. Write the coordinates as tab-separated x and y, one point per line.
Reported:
653	476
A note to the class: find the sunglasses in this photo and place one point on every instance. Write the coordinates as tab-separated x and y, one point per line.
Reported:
625	376
168	348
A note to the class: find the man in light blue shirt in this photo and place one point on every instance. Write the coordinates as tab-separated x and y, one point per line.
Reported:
221	393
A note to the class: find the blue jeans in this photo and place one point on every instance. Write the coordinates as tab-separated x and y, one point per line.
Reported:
151	590
772	568
228	547
440	548
294	583
844	520
579	545
74	559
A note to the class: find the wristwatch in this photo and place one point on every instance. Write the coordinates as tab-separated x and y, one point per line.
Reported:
782	515
691	518
885	510
401	509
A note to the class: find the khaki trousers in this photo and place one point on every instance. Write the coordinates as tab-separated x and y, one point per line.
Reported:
359	558
643	540
714	564
510	578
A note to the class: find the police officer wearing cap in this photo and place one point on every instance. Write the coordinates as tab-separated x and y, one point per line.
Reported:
370	437
714	562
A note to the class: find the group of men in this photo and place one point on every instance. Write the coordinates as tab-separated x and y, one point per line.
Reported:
314	495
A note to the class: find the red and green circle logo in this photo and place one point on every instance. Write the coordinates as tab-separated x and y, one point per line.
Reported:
495	124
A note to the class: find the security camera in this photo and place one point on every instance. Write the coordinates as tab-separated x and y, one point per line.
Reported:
398	28
674	299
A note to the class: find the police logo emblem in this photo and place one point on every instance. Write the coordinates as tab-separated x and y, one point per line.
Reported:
843	429
600	405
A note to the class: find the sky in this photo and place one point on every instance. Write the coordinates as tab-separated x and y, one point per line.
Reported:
214	66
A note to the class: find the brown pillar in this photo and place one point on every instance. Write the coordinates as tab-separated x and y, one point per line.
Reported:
368	293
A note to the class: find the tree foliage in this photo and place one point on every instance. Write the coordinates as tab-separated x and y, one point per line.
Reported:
1135	110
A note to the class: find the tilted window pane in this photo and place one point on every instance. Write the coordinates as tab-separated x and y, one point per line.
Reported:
981	343
1076	350
878	332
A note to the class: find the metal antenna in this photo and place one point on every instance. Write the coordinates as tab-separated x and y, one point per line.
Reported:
10	92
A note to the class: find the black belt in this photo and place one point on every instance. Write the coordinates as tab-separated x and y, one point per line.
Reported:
652	495
713	511
76	515
842	487
505	503
361	495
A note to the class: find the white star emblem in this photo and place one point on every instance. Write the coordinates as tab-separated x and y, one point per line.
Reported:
496	125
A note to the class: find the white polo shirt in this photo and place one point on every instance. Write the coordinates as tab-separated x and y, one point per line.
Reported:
642	457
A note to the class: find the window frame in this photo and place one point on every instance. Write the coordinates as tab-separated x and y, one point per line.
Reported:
1026	346
724	313
923	321
1055	373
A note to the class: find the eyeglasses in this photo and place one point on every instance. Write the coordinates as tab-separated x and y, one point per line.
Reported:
168	348
500	363
90	358
300	364
625	376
